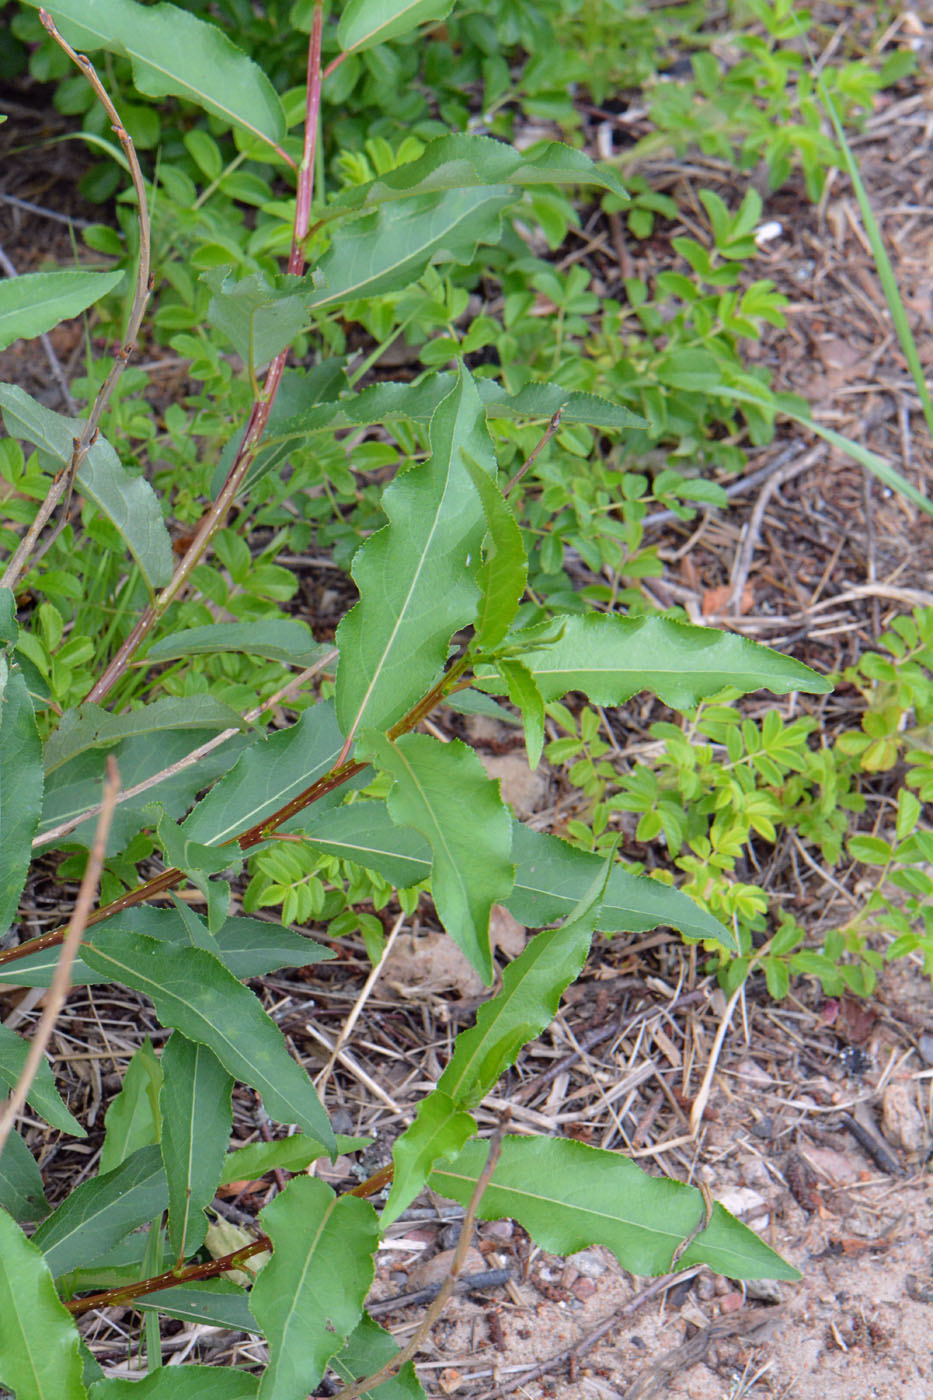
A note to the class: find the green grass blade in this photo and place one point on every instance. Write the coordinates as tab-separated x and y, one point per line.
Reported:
889	285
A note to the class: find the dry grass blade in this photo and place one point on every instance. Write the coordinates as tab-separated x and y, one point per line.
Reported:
358	1006
61	980
702	1098
55	833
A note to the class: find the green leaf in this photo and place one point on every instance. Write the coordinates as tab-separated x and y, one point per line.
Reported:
443	791
37	301
291	1154
76	786
90	726
199	934
880	468
364	833
202	933
389	402
551	876
389	249
128	502
611	658
91	1369
526	697
438	1133
258	319
101	1211
364	23
175	54
9	629
133	1119
368	1349
299	391
310	1295
568	1196
532	985
197	1116
269	774
20	788
416	576
189	856
871	850
22	1194
504	570
181	1383
43	1096
542	401
39	1357
216	1302
275	638
247	948
199	863
193	992
474	702
459	161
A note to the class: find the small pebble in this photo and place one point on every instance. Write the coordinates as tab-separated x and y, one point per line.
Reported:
583	1288
901	1119
590	1263
499	1229
764	1290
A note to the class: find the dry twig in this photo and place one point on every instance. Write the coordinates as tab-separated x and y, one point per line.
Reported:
392	1367
55	833
61	980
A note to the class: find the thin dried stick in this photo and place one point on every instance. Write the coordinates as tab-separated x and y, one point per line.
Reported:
56	832
702	1098
83	444
361	1001
61	980
347	1060
214	517
539	446
743	560
31	208
738	488
440	1302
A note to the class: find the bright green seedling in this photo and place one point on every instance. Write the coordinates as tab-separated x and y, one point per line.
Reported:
345	802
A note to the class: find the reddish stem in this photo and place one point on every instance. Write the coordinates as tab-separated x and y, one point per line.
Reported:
173	1278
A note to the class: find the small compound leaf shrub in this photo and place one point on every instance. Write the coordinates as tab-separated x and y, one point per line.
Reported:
350	801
